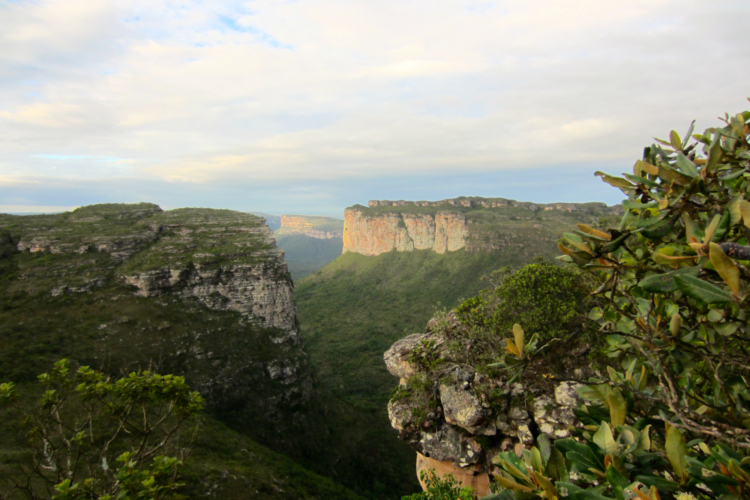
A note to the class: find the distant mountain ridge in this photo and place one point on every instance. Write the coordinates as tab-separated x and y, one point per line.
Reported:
313	226
466	222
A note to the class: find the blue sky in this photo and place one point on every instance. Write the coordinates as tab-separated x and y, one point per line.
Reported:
309	106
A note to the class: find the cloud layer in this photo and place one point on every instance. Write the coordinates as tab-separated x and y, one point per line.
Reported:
322	99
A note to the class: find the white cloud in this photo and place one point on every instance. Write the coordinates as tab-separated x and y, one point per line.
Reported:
182	90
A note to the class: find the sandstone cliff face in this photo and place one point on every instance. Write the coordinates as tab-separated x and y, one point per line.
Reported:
476	224
442	232
313	226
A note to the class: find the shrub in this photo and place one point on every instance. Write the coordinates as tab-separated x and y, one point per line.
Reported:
672	416
93	437
441	488
547	299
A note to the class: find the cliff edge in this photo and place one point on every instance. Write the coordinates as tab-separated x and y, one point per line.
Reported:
466	222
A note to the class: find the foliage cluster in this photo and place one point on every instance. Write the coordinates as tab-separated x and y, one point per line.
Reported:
445	488
93	437
672	416
548	300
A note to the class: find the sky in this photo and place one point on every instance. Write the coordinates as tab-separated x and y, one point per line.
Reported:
310	106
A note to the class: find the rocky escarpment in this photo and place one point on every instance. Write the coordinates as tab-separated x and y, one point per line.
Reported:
459	418
219	263
471	223
313	226
227	260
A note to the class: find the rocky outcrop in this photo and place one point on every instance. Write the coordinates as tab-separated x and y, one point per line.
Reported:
442	232
458	418
323	228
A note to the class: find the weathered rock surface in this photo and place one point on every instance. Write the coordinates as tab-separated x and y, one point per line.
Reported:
459	419
442	232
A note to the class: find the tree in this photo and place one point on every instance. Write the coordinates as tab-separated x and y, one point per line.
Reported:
672	416
91	437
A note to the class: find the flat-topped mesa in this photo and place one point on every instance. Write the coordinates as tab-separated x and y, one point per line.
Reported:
466	222
313	226
475	202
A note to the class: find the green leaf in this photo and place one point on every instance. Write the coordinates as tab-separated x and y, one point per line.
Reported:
659	483
735	213
723	227
642	180
675	141
581	457
556	468
660	230
546	485
617	408
518	337
686	166
715	153
677	452
671	175
645	443
545	448
617	481
615	181
665	283
536	460
604	438
725	267
701	291
651	221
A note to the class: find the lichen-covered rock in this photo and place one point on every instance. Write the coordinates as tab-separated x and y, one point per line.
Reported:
455	413
445	443
462	408
554	415
397	356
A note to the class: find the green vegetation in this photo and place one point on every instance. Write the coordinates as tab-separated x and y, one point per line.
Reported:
76	305
464	205
355	308
672	419
88	436
441	488
304	255
548	300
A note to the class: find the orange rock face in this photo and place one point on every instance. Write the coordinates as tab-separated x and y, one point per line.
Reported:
442	232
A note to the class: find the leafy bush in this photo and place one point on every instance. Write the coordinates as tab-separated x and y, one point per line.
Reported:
93	437
547	299
673	416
